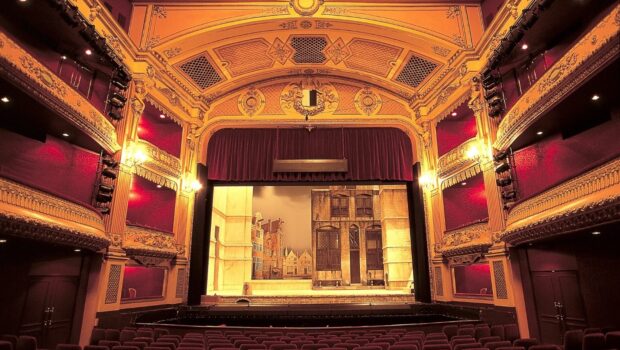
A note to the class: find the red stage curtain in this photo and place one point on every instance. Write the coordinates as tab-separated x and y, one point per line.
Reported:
149	206
374	154
53	166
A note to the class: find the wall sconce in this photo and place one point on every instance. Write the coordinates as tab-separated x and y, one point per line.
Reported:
190	184
426	180
473	152
134	155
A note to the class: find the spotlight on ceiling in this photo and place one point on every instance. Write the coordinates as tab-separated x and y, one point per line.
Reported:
596	97
463	183
539	133
524	47
158	186
88	52
63	57
77	250
5	99
162	116
64	134
454	114
596	233
2	241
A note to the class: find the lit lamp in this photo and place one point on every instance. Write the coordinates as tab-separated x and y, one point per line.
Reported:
190	184
134	155
473	152
426	180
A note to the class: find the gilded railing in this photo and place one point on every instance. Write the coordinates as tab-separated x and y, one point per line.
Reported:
468	239
456	159
161	160
28	212
596	190
148	242
588	55
38	80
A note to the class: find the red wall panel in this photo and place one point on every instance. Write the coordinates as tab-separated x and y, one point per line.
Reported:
163	133
145	282
464	205
453	131
53	166
150	206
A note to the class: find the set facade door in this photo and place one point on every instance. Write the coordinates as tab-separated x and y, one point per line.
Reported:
354	254
49	309
559	304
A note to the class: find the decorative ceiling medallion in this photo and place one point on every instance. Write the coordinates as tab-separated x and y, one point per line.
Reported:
306	7
338	51
279	51
251	102
368	102
327	98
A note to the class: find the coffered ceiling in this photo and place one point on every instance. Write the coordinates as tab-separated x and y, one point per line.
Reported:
215	48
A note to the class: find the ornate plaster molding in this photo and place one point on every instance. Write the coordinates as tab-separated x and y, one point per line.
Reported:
161	160
475	238
456	159
38	81
143	242
586	57
29	213
585	201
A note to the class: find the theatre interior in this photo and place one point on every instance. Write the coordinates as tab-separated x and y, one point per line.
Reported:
309	174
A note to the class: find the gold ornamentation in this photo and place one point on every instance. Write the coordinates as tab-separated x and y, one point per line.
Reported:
441	51
31	213
95	11
140	241
327	99
160	12
368	102
456	159
306	7
453	12
21	68
172	52
335	11
338	51
280	51
589	199
162	161
251	102
575	67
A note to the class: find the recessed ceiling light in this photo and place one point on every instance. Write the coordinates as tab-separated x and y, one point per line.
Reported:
524	47
23	0
463	183
77	250
595	97
158	186
539	133
454	114
596	233
65	134
162	116
2	240
5	99
63	57
88	52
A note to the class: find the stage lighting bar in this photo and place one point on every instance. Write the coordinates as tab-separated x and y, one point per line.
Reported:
109	173
502	167
504	182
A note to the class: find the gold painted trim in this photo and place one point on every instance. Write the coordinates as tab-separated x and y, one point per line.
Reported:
142	241
38	81
585	58
30	213
588	200
161	161
456	159
466	240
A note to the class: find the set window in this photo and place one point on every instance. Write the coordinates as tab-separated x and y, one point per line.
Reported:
374	249
363	205
340	206
328	250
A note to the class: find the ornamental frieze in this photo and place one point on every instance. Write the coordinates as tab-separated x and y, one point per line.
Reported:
147	242
586	57
456	159
468	239
161	160
38	81
586	200
327	98
32	213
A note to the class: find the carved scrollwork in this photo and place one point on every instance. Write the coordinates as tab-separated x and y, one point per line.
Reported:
140	241
306	7
161	160
456	159
327	99
251	102
472	238
368	102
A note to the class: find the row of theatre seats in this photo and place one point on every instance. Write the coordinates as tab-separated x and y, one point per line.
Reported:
452	337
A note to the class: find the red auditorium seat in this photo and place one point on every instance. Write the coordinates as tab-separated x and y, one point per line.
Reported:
525	342
466	325
253	347
348	346
386	339
403	347
334	349
546	347
485	340
612	340
96	335
593	341
109	343
123	347
153	348
96	347
511	348
592	330
193	340
169	339
434	336
147	340
231	348
158	332
283	347
127	335
169	346
498	331
457	341
497	344
445	346
573	339
482	332
330	341
315	346
466	346
139	344
469	331
368	347
6	345
382	345
300	343
450	331
360	342
216	345
511	332
112	334
269	343
437	342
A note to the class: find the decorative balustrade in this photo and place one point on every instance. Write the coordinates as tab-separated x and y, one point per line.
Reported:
144	242
589	199
22	68
474	238
30	213
584	59
161	160
457	159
